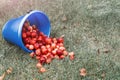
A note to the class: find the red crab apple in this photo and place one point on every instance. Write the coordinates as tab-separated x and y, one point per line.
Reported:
44	50
71	55
26	24
38	57
42	59
31	47
39	65
62	57
48	40
32	41
27	45
29	28
54	40
38	52
65	53
48	60
32	54
36	45
54	52
39	38
60	40
42	70
59	52
24	35
33	34
28	33
53	45
62	48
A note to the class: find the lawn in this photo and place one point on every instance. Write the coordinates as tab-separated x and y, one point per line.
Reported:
91	29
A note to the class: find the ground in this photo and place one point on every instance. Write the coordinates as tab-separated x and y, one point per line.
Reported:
91	29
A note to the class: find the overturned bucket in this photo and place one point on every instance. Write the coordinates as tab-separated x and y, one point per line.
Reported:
12	30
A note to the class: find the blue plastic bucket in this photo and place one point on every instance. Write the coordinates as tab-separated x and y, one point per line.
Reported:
12	30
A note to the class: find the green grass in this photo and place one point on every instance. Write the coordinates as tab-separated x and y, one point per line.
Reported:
90	25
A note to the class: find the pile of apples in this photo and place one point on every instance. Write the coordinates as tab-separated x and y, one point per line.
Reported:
44	48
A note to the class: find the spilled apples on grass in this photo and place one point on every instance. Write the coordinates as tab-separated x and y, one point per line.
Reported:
44	48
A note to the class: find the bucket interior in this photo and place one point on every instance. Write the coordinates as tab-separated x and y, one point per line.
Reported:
41	21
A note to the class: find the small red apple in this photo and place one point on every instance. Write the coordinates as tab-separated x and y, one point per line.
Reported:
71	55
36	45
38	57
24	35
28	33
39	38
48	60
62	48
38	52
32	41
62	57
44	50
60	40
31	47
59	52
32	54
65	53
53	45
27	45
29	28
42	59
39	65
33	34
42	70
54	40
48	40
26	24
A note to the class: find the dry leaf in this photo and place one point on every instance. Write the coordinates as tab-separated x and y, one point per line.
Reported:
10	69
64	18
106	50
83	72
98	51
103	75
62	36
3	76
35	79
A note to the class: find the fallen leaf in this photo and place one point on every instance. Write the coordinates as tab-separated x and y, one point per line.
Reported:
106	50
35	79
64	27
103	74
9	71
62	36
3	76
64	18
98	51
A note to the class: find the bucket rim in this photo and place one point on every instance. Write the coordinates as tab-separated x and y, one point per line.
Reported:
21	25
